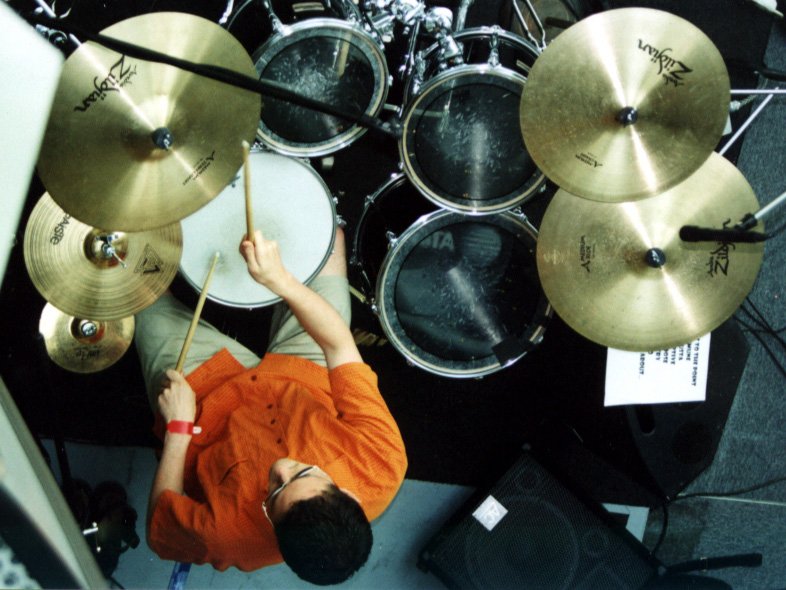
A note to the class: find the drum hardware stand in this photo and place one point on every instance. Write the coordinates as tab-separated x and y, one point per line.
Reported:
522	21
461	17
227	76
56	37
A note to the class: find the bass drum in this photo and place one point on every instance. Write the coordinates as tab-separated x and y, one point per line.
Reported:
319	51
461	144
456	295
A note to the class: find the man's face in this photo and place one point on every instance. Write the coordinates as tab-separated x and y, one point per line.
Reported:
291	481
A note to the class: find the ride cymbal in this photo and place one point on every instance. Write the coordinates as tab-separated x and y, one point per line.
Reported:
78	268
619	274
625	104
135	145
81	345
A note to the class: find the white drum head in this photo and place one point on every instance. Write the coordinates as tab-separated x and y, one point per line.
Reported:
291	204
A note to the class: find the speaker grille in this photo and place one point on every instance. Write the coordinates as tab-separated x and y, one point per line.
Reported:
548	539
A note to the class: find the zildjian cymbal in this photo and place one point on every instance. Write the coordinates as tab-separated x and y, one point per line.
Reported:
625	104
81	345
135	145
91	273
619	274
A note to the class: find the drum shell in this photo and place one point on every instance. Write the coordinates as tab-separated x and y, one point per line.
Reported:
456	295
324	55
291	204
461	144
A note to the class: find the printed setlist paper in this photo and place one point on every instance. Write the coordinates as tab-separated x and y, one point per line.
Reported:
662	376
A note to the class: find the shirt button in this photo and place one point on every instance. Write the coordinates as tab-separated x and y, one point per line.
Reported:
273	421
270	406
279	441
253	377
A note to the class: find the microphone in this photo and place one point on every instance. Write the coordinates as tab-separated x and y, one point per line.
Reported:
692	233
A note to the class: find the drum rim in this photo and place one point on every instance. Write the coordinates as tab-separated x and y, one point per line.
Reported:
272	300
464	75
385	287
307	29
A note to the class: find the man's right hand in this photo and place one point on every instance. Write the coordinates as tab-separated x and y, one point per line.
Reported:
264	263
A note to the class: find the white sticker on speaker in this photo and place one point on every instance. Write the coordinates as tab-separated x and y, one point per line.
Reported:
490	513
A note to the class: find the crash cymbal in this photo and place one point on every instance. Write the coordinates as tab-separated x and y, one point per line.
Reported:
625	104
619	274
73	267
103	158
81	345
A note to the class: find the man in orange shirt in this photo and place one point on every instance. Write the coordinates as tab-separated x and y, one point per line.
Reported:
296	452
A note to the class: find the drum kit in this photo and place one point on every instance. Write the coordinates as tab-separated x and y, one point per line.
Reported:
142	161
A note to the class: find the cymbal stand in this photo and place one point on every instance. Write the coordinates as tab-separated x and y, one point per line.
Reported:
541	43
53	35
746	124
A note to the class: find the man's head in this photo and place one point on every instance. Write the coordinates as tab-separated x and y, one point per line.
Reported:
323	533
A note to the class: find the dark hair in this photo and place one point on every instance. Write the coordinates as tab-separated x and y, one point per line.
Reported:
324	539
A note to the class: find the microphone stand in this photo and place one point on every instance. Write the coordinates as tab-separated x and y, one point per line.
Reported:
262	87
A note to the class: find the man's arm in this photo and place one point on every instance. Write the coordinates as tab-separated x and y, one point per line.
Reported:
176	402
322	322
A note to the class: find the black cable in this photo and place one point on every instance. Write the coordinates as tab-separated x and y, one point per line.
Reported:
664	526
738	492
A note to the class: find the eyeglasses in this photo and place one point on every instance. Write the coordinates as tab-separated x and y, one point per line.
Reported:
272	495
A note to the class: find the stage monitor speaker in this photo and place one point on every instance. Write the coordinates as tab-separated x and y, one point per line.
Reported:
530	531
660	447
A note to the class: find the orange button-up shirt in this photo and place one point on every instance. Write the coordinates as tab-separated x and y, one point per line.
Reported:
285	407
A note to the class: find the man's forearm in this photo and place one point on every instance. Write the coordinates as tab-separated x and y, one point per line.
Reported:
171	469
322	322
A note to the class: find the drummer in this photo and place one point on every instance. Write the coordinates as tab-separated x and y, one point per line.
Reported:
296	452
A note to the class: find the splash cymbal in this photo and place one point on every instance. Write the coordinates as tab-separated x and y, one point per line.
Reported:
135	145
82	345
97	274
625	104
619	274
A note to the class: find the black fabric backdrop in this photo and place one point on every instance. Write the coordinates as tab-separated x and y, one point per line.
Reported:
456	431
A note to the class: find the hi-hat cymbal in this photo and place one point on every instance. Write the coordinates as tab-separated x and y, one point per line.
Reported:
82	345
73	266
103	158
625	104
619	274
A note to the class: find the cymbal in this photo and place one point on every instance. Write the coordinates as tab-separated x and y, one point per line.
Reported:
72	266
82	345
602	264
101	159
625	104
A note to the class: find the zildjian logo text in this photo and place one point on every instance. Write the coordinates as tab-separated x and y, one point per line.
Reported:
670	68
119	75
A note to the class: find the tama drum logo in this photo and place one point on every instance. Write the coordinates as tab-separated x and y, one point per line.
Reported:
586	253
119	75
719	257
439	240
671	69
59	230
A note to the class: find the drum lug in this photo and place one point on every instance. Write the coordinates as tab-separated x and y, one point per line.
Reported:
494	46
392	239
517	211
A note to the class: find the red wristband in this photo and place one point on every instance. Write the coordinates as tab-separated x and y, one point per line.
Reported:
181	427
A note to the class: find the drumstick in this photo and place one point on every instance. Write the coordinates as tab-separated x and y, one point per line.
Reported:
247	182
197	312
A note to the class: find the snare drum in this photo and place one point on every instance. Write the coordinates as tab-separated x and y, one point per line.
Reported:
290	203
461	144
456	295
323	53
